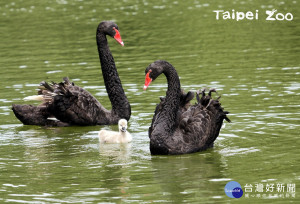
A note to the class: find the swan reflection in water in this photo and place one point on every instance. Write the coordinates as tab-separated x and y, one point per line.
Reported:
121	153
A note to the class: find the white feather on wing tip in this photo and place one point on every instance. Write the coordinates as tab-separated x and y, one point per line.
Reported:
52	118
34	98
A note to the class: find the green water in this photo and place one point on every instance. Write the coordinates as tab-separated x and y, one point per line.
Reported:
254	65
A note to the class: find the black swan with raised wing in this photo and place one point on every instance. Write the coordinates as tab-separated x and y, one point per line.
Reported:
178	127
65	104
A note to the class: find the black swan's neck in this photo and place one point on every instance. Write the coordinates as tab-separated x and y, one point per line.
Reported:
172	101
116	94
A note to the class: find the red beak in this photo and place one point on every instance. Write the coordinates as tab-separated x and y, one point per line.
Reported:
148	80
117	37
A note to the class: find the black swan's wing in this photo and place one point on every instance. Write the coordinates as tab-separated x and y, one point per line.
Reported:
200	125
64	104
197	127
185	99
73	104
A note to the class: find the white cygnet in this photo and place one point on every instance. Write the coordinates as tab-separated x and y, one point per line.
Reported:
123	136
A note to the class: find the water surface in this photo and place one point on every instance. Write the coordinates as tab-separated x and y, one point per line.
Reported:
254	65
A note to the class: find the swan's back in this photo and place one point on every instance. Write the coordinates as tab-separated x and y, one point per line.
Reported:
74	105
197	127
106	136
68	103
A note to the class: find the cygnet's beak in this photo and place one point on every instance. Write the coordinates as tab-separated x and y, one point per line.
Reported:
123	129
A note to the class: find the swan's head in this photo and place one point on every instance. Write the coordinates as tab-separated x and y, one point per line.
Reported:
154	70
111	29
123	125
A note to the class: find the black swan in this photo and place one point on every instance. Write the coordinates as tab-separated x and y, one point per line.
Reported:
178	127
65	104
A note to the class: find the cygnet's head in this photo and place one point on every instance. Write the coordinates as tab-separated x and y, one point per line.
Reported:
123	125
